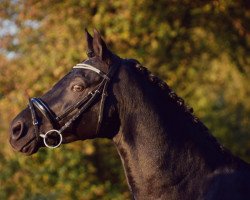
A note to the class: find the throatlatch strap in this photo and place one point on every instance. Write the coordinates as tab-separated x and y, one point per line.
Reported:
104	96
101	108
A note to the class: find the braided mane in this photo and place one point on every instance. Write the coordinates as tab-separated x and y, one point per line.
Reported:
188	111
163	86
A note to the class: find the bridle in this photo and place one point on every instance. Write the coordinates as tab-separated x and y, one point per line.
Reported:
37	104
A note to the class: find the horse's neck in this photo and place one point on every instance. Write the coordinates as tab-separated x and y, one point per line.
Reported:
162	152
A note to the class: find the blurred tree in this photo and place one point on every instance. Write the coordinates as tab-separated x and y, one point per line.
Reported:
201	48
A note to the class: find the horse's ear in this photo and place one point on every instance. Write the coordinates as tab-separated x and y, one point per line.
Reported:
100	48
89	42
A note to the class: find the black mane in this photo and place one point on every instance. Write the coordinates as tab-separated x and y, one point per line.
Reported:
187	111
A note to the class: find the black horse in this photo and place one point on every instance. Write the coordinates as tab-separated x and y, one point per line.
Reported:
166	151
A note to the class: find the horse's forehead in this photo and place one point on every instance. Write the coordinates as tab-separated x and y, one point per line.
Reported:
77	74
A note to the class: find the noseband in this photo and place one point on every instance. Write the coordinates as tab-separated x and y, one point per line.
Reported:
37	104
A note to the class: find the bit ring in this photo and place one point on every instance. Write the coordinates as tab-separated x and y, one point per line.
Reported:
46	135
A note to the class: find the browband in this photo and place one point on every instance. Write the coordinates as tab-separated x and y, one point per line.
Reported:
86	66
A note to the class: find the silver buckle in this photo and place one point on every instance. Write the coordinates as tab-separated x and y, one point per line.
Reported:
35	123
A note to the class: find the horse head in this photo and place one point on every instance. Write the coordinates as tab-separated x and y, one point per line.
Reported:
75	107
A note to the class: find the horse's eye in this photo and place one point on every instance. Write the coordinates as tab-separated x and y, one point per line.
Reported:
77	88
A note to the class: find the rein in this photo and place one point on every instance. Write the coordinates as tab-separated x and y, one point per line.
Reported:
37	104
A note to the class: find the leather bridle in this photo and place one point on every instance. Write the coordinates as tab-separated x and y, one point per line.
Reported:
37	104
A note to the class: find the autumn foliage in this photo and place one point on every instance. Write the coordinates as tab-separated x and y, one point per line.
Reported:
200	48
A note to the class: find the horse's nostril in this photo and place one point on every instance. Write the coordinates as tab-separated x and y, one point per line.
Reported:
17	130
